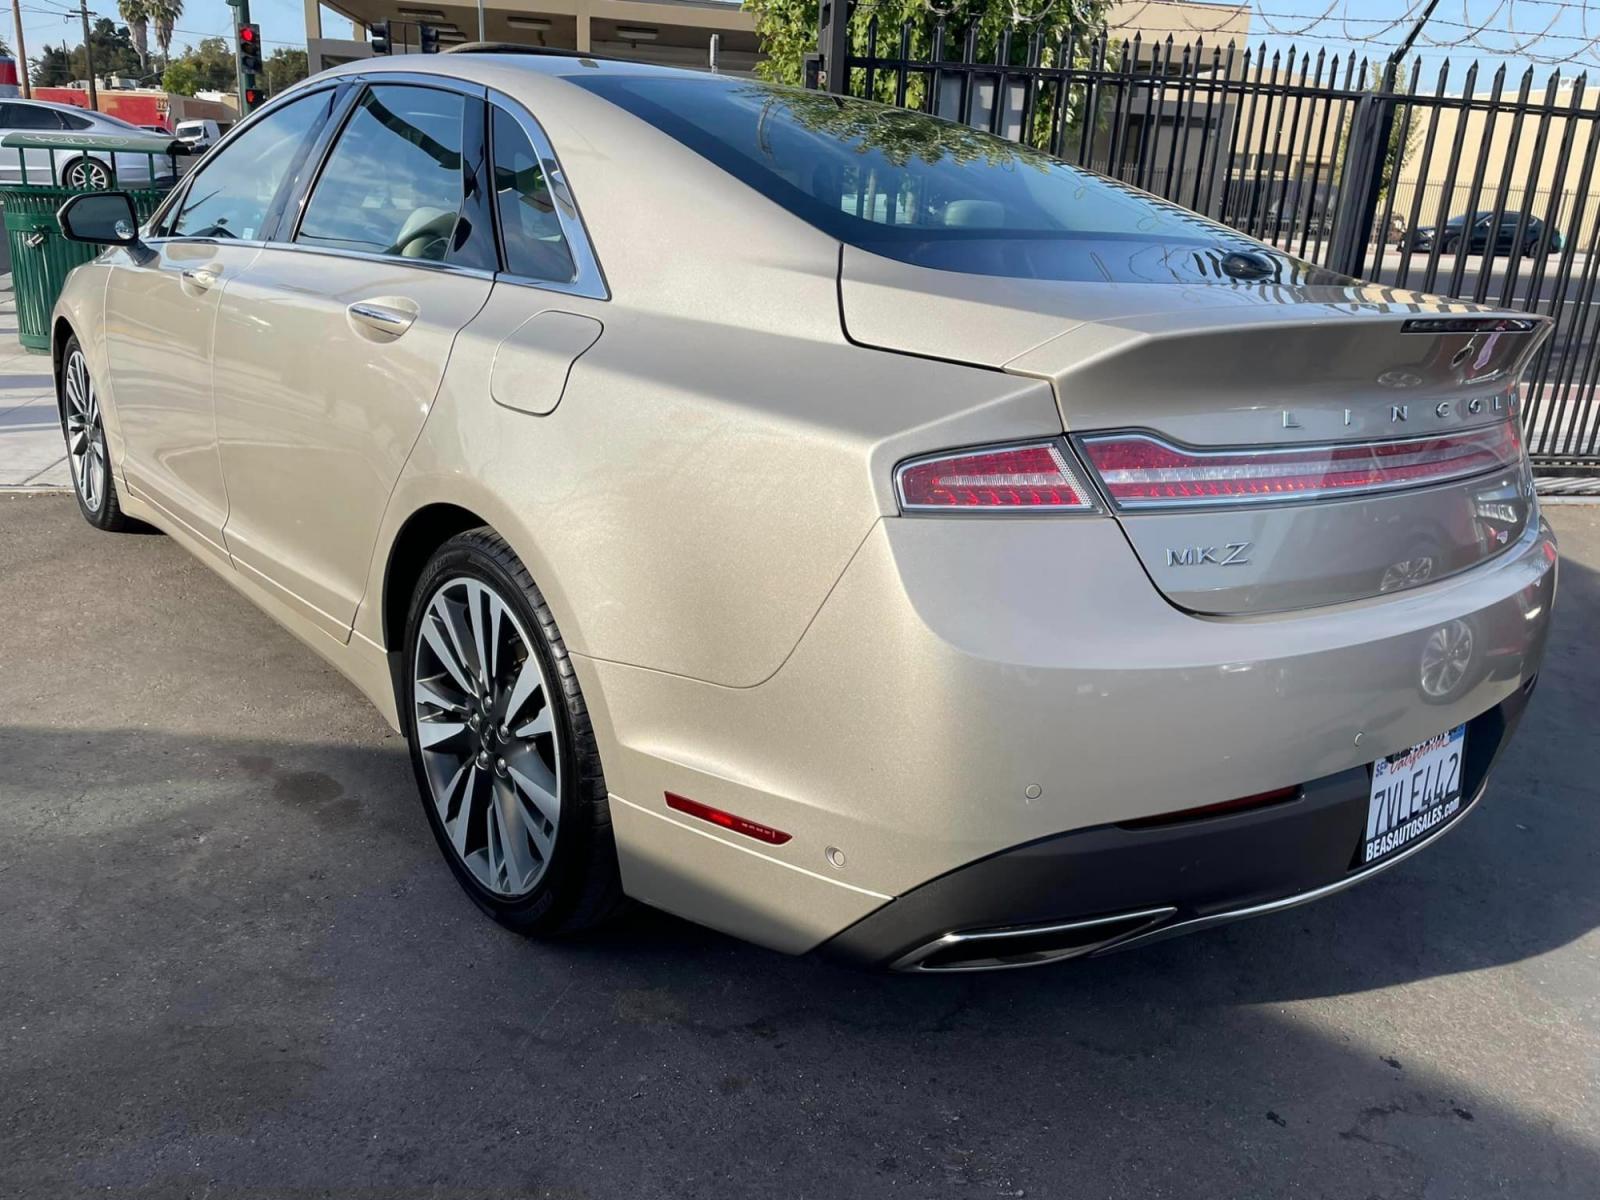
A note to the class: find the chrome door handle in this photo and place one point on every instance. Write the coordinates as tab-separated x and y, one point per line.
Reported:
200	277
393	321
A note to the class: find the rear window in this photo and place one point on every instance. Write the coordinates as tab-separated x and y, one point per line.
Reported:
912	187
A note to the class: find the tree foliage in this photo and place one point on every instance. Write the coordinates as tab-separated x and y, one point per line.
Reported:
137	14
285	67
207	66
787	30
114	54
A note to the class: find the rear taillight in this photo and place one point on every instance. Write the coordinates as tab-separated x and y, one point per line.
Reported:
1140	471
1030	478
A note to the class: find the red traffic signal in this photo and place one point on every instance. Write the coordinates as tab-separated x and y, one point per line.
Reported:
249	49
253	97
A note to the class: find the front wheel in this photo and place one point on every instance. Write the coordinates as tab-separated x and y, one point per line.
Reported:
502	746
83	426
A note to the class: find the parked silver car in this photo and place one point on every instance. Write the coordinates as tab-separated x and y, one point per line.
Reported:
831	524
88	169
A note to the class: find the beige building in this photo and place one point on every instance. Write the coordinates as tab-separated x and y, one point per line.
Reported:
677	32
673	32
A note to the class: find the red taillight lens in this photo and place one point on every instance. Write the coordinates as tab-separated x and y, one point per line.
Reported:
1141	471
1034	478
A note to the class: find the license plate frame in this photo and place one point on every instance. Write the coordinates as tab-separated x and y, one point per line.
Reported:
1413	794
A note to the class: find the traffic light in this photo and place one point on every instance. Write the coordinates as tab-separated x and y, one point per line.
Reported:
380	37
249	49
254	97
428	39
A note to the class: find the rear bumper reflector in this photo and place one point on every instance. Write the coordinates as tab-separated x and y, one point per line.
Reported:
750	829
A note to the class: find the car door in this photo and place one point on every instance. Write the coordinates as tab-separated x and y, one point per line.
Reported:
332	344
161	307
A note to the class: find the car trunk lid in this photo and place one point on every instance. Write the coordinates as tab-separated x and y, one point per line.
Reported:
1284	443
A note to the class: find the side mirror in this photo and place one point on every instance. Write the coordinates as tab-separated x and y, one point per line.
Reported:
103	218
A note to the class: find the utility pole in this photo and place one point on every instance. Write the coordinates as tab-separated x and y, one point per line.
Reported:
22	50
1404	47
88	55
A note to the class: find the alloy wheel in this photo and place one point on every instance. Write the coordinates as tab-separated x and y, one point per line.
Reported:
86	438
486	733
87	174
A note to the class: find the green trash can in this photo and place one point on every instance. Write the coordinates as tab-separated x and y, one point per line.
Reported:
38	172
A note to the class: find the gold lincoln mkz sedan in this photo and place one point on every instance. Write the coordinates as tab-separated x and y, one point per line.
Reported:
831	524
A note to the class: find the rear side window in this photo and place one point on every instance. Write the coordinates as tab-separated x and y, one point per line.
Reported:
909	186
229	196
28	116
393	183
530	228
73	121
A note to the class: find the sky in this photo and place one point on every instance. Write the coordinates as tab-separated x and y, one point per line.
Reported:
282	22
1548	33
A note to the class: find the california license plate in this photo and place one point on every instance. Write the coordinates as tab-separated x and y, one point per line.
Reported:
1413	793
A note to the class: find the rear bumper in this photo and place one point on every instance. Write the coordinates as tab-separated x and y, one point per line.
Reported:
1097	890
974	687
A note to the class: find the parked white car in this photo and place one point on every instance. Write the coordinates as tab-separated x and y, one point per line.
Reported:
90	169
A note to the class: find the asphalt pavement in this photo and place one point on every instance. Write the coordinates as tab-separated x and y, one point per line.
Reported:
232	963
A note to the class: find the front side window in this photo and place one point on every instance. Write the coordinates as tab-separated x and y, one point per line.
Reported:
229	196
393	183
530	227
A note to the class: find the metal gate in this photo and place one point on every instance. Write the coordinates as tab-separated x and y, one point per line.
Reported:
1469	188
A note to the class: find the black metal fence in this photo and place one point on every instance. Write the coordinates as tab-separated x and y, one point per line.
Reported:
1340	161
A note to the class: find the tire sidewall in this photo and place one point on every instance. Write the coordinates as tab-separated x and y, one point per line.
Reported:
546	902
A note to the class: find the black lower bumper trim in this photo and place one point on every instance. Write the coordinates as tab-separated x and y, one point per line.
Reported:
1206	870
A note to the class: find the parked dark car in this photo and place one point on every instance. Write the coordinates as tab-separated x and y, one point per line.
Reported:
1505	236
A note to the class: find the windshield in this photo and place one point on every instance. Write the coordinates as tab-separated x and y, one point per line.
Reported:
925	191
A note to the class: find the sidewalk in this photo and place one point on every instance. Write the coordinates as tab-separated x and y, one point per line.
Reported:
32	454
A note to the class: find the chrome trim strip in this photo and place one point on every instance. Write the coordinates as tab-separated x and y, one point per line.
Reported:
393	260
912	960
590	280
1299	898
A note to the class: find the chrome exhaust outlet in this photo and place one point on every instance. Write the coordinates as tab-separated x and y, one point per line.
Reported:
1028	945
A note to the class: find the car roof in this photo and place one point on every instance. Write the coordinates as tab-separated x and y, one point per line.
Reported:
52	104
486	62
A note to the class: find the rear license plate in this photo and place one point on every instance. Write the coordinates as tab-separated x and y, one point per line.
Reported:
1413	793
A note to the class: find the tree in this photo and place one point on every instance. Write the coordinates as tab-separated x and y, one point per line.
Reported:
114	54
207	66
1403	134
52	67
787	30
182	78
285	67
165	14
137	14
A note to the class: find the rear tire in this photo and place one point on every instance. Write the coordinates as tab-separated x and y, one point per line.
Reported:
88	458
502	745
